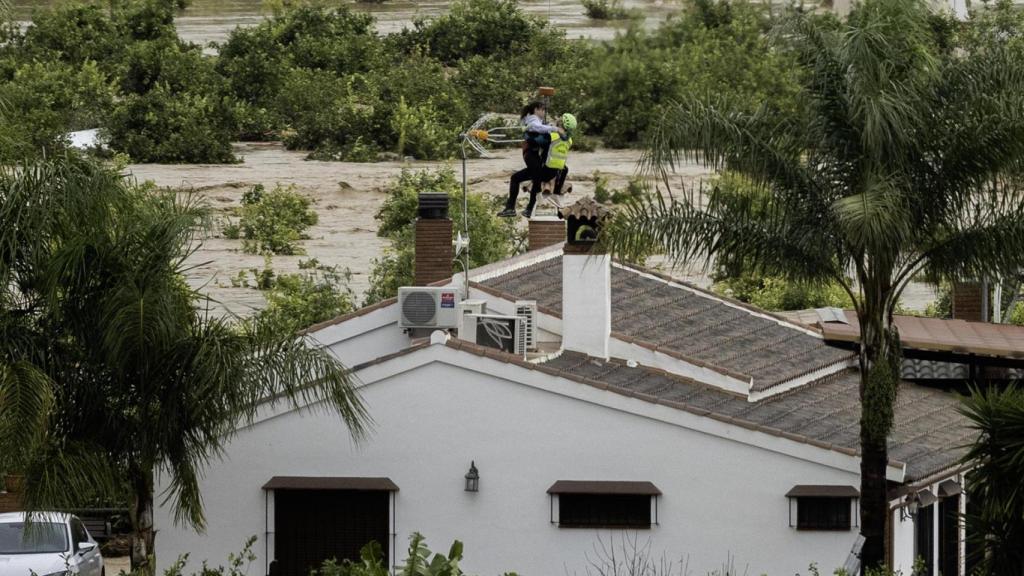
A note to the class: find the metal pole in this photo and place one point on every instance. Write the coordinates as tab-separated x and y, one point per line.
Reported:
997	310
986	315
465	217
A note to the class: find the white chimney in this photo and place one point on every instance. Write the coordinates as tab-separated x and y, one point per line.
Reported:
586	282
587	303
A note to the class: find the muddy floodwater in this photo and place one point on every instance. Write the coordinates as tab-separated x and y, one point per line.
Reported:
208	21
346	195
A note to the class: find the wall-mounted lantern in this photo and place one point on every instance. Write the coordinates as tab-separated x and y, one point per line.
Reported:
473	478
915	501
910	506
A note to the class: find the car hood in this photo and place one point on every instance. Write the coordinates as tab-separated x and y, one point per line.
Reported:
25	564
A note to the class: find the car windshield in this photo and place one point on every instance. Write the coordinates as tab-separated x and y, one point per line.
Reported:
36	538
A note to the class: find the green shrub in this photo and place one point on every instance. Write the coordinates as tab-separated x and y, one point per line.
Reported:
43	101
273	222
258	64
635	189
942	307
329	113
778	294
170	103
630	79
74	33
602	191
160	126
483	27
1016	315
605	10
173	106
238	564
297	301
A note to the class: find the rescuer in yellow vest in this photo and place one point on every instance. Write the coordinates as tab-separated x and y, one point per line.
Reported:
554	167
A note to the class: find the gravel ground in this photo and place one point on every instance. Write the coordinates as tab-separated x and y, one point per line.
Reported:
117	565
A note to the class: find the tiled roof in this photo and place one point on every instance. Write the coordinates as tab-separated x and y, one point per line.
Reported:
942	335
929	434
689	322
918	369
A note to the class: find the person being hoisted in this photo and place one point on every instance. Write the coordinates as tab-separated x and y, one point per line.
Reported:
535	140
553	168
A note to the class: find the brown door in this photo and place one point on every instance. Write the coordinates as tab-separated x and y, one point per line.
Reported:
311	526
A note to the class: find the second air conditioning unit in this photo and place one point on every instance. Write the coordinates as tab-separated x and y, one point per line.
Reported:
527	309
428	307
505	333
470	307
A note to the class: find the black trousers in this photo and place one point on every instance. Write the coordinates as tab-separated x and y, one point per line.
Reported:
539	175
533	167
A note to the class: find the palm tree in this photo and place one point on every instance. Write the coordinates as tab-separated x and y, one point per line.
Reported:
994	485
111	371
899	166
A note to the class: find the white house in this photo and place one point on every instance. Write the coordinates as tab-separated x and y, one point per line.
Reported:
648	409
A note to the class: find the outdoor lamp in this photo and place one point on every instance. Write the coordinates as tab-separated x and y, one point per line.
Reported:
911	504
472	478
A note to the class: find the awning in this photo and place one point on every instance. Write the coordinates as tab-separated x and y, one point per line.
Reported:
330	483
949	488
955	338
604	487
818	491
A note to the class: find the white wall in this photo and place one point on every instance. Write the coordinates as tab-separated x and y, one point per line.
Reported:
903	544
722	499
364	338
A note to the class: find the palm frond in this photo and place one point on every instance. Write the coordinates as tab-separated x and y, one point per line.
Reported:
26	404
874	221
716	227
67	474
719	135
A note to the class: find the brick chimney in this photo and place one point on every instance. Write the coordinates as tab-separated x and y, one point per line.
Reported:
586	282
545	231
970	301
434	252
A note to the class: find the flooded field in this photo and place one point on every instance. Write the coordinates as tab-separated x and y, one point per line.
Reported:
207	21
347	196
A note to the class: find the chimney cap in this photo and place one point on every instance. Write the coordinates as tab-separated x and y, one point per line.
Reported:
583	225
585	208
433	206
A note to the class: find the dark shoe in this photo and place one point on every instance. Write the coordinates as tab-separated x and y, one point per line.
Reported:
507	213
528	213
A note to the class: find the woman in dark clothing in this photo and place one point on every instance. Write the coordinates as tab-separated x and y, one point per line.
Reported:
537	136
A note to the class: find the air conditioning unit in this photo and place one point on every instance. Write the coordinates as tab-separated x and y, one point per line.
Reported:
470	307
428	307
506	333
527	309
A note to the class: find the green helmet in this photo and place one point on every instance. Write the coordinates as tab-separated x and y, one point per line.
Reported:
568	121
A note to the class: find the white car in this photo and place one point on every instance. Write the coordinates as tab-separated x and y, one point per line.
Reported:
54	544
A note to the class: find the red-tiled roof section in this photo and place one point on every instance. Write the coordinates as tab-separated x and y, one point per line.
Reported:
942	335
688	323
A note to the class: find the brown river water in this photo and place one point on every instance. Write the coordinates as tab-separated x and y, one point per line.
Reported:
208	21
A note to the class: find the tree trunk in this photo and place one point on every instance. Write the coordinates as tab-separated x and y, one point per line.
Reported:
880	375
873	503
142	523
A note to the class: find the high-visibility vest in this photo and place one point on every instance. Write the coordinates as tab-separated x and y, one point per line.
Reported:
558	152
